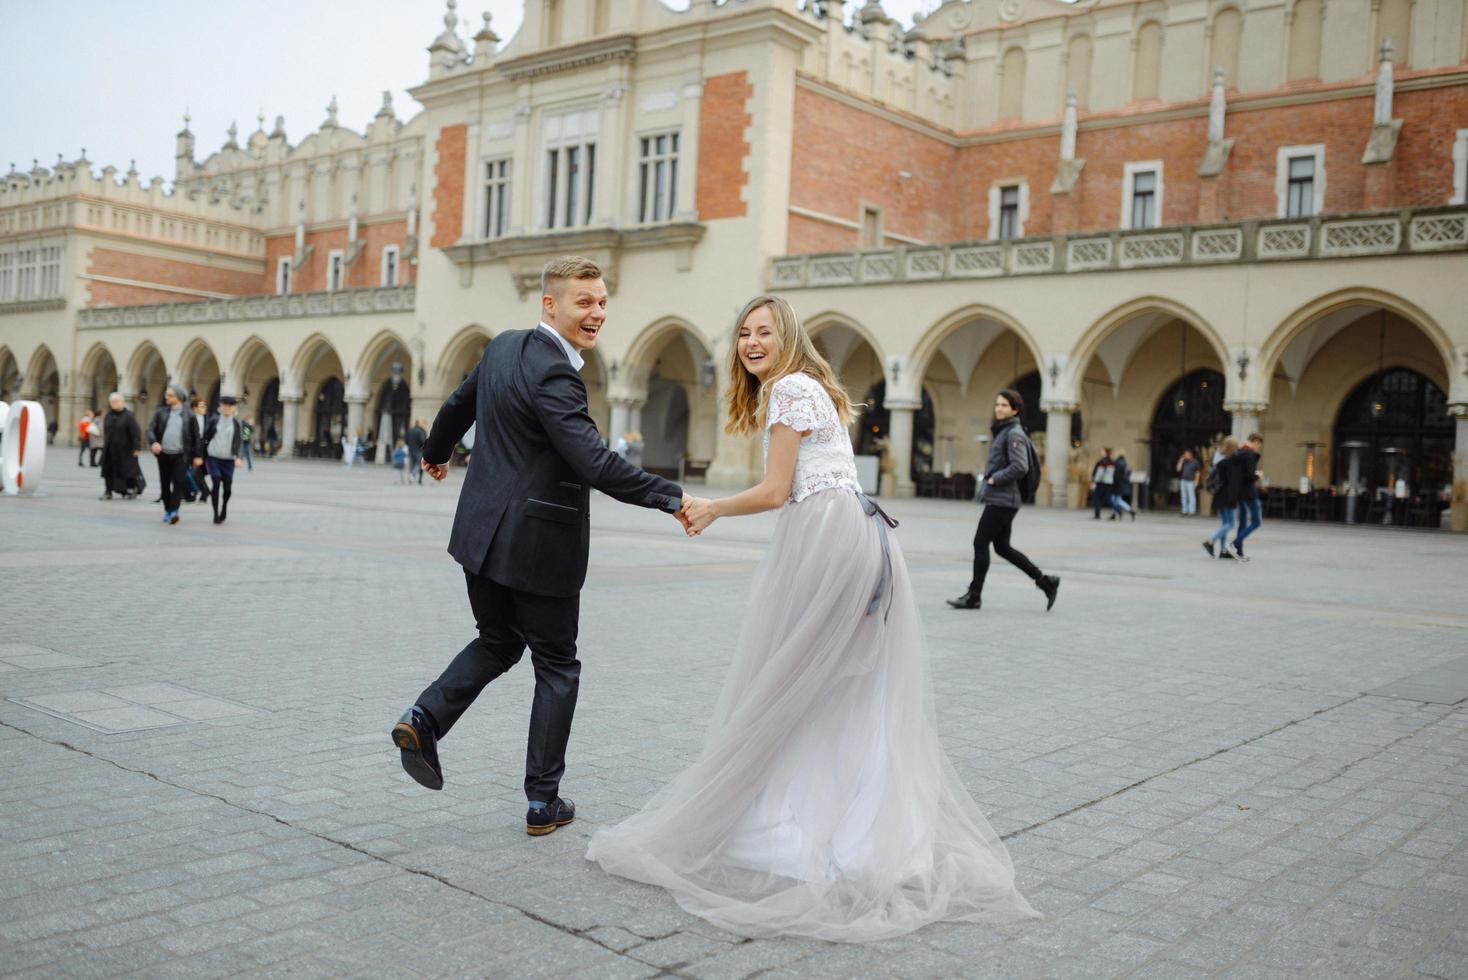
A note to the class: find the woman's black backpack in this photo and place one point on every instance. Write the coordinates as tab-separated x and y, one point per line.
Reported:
1214	483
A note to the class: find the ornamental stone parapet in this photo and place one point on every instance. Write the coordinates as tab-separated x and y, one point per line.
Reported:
1397	232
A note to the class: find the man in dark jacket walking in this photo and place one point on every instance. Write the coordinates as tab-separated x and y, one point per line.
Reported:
1121	488
174	439
122	441
1103	476
522	529
1001	495
1250	512
417	438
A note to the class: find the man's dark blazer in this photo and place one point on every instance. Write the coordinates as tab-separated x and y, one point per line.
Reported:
523	518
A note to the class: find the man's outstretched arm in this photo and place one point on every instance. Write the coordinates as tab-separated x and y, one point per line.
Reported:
449	425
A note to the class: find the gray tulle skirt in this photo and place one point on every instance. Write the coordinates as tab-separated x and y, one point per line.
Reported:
822	804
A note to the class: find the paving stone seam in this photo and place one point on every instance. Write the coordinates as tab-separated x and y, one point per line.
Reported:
1180	766
327	838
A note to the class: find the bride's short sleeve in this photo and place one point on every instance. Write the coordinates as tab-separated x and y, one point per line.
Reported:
795	401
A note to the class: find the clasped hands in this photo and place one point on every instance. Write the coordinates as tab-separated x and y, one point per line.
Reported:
696	514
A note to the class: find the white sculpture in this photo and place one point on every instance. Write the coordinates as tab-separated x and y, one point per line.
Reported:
23	448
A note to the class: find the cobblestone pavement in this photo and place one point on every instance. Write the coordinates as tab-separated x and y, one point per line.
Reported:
1202	769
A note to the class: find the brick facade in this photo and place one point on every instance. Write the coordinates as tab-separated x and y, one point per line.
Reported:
116	264
448	185
845	157
365	272
723	116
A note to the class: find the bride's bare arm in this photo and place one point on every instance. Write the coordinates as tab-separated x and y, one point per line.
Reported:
769	494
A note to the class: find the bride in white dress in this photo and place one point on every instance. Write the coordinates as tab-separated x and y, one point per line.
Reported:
822	804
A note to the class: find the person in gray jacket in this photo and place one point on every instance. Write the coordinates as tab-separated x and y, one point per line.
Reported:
1001	495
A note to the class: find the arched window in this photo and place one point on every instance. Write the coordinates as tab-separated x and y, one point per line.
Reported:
1228	28
1393	20
1147	62
1012	85
1078	70
1305	41
872	427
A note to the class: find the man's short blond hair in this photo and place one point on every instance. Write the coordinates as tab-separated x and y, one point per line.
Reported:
558	270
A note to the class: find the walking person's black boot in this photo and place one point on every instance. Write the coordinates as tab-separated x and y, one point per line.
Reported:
1050	585
415	736
969	600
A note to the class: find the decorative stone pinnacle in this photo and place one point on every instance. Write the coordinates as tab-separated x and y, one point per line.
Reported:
279	127
132	166
451	19
486	33
260	120
233	131
331	110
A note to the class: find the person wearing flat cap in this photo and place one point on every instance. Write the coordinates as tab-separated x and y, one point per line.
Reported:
174	439
223	435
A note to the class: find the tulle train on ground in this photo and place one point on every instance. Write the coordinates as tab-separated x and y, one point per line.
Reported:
822	804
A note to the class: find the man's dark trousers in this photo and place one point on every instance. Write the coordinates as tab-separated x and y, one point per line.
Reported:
172	471
508	620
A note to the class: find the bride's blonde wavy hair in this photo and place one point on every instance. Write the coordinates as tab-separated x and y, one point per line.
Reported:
748	398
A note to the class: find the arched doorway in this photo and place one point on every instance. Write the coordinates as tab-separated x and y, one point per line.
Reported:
256	377
1152	384
1396	424
198	373
387	368
268	416
678	427
323	418
147	376
43	379
99	378
873	428
9	376
972	358
329	419
1188	415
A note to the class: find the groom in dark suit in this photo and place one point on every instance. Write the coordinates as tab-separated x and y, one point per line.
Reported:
522	528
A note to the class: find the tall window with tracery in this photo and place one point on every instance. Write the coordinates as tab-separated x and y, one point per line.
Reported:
496	198
658	178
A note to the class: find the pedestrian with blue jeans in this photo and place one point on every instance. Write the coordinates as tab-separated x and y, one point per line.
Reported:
1225	478
1250	513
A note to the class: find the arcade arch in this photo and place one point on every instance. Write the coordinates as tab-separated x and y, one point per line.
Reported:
318	377
384	374
145	380
857	360
959	365
43	382
9	376
98	378
670	398
1148	378
198	372
1362	374
255	375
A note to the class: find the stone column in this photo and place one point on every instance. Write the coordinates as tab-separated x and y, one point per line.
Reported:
634	416
1458	517
290	413
1246	416
621	412
1057	449
356	413
899	443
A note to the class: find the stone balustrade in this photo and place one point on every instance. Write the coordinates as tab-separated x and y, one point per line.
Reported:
345	302
1412	231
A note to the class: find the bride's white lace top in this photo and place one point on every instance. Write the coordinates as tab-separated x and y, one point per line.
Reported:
825	461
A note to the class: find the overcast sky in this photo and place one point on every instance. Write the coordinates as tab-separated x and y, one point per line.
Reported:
115	77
